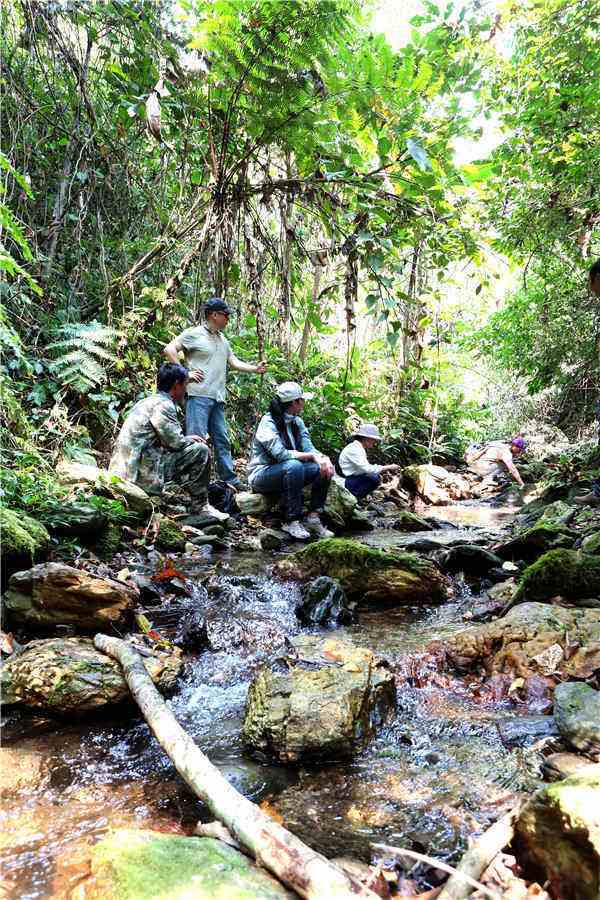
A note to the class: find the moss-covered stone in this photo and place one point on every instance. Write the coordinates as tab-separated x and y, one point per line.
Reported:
408	521
367	573
531	543
558	513
557	835
108	543
148	865
21	536
591	544
563	573
68	675
170	537
577	714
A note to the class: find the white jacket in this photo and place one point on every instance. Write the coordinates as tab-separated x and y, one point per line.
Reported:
353	461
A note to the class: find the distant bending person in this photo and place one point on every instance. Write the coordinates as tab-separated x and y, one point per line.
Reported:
361	476
284	460
494	460
151	448
207	355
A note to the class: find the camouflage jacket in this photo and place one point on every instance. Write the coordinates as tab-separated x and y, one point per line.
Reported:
149	433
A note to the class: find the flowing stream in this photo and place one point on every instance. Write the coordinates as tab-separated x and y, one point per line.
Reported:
434	775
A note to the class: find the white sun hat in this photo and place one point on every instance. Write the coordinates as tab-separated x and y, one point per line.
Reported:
368	431
291	390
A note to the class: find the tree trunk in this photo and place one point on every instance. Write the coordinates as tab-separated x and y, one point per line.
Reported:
318	271
292	862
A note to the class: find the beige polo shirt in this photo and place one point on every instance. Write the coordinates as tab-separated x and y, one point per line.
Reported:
210	352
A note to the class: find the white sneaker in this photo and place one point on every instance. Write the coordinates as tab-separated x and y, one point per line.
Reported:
316	527
296	530
209	510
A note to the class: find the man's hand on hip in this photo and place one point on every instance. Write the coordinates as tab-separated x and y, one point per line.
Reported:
196	375
261	367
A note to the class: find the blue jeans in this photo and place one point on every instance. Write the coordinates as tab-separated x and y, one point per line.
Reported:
361	485
203	416
288	479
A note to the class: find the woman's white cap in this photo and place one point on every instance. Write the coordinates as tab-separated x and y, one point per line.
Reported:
291	390
369	431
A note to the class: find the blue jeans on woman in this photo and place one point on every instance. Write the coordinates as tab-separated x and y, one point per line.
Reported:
362	485
288	479
205	416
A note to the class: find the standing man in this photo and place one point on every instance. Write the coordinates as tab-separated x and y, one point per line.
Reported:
593	497
207	354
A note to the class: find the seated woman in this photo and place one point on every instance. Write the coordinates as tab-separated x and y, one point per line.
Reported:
362	477
284	459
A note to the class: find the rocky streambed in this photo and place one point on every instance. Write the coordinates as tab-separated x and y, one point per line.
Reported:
466	736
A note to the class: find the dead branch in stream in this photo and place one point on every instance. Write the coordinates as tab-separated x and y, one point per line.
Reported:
463	879
288	858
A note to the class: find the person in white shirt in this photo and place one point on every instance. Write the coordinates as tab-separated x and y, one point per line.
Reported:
361	476
207	355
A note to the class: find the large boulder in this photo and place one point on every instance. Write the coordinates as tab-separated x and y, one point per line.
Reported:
52	594
557	837
533	638
324	702
23	539
577	714
101	481
561	573
140	865
591	543
324	602
252	504
341	508
68	675
436	485
368	574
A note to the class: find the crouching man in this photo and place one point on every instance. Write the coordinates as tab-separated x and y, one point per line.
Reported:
361	476
152	449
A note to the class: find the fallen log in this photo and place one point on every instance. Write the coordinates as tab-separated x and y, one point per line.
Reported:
304	870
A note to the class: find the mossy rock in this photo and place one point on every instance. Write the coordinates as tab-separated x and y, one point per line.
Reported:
577	714
170	537
557	837
531	543
591	544
408	521
149	865
368	574
22	540
109	541
563	573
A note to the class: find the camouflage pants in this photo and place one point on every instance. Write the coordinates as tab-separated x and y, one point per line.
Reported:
188	467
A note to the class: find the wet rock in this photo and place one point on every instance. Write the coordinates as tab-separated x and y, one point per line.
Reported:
495	600
79	519
558	513
341	508
127	862
557	834
22	769
468	558
591	543
577	714
170	537
565	573
102	481
270	539
324	603
516	643
325	702
68	675
53	593
557	766
436	485
519	731
367	574
23	539
192	633
250	504
407	521
530	544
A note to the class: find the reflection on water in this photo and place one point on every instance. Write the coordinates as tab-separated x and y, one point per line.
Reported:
436	773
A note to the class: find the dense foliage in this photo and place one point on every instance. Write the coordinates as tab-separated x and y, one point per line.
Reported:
282	154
